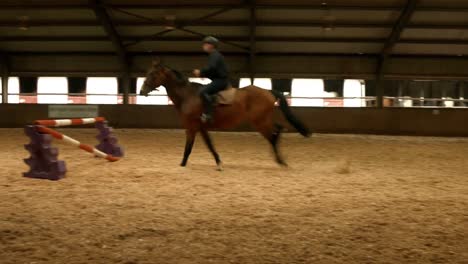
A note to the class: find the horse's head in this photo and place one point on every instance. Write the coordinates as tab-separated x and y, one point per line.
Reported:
155	77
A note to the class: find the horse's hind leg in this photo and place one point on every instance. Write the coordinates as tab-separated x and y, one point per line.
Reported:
190	139
209	144
272	133
274	140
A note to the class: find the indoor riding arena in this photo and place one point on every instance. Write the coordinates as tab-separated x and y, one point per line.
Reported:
345	142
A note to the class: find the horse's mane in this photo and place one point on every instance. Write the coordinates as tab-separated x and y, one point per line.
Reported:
179	76
182	79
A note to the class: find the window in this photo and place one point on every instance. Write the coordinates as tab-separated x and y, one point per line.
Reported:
407	101
447	102
264	83
52	90
307	88
101	90
13	90
154	98
244	82
354	88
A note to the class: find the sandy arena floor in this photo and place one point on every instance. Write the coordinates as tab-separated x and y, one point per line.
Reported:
344	199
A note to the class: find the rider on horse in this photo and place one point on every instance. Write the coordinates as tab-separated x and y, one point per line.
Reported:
216	71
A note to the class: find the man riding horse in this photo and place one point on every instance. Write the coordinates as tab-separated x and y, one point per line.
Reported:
217	72
251	104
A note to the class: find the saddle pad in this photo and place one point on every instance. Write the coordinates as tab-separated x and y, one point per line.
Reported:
226	97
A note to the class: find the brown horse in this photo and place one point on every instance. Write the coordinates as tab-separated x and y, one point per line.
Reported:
251	104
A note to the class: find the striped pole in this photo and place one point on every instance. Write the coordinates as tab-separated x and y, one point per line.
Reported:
69	122
75	142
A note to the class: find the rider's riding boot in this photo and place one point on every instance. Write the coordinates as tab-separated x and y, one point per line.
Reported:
207	116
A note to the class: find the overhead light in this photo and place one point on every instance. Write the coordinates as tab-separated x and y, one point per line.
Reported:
170	22
328	22
23	22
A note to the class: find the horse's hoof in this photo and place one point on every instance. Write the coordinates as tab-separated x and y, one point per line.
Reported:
219	167
282	164
183	164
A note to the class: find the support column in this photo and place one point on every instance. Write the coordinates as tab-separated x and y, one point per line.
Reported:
5	76
460	91
422	95
443	94
379	83
400	93
126	83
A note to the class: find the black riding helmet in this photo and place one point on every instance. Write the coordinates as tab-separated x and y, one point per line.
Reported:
211	40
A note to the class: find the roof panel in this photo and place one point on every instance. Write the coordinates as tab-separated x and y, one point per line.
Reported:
178	14
222	31
265	2
139	31
143	31
439	17
336	2
459	34
430	49
175	2
71	46
328	15
443	3
282	25
52	31
324	47
180	46
26	3
323	32
49	14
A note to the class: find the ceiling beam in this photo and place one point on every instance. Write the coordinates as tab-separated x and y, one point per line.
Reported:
182	54
389	44
246	39
399	26
318	6
231	53
226	23
106	22
181	26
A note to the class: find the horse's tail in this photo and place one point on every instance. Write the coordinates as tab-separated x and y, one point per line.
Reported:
292	119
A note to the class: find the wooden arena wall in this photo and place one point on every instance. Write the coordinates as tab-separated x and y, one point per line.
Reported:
390	121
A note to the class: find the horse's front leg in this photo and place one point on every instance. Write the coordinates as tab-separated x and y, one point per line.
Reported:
209	144
190	139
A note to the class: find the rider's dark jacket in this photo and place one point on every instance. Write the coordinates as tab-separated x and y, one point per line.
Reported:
216	68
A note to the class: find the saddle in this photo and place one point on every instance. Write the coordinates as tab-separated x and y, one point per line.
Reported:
226	97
